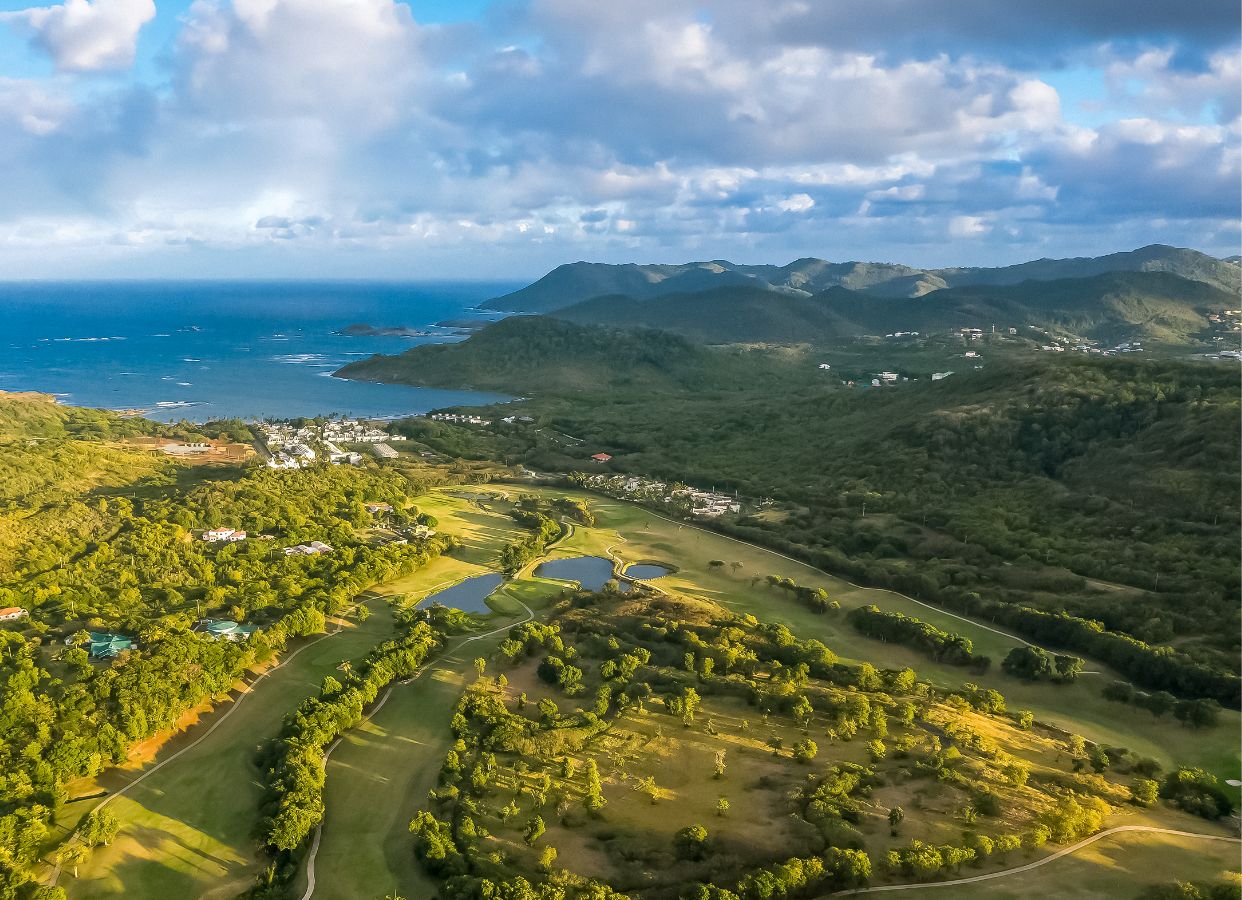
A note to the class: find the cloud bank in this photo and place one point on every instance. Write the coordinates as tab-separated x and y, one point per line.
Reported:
345	137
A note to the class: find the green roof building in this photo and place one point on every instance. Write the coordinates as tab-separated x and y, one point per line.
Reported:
105	645
225	630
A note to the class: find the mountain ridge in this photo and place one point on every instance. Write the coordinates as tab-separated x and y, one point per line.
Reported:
1112	306
573	283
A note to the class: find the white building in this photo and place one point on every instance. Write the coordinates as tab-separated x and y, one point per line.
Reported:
12	613
223	535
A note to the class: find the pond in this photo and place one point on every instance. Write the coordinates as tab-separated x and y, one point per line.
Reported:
468	596
592	572
646	571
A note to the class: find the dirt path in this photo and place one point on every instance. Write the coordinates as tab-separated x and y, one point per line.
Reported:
1017	870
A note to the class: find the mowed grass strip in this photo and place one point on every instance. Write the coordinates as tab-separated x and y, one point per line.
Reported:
378	778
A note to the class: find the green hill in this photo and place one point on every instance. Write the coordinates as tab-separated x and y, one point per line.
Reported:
576	282
1110	307
533	354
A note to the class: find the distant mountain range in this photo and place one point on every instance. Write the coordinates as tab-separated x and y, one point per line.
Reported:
1111	307
1156	292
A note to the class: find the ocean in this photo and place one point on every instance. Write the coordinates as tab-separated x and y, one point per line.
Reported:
212	350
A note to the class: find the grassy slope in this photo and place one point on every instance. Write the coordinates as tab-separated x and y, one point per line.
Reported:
1078	708
380	774
1117	866
207	832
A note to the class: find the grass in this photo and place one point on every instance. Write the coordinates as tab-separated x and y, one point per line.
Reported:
636	534
378	777
188	829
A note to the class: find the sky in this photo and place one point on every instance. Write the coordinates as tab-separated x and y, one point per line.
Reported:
487	139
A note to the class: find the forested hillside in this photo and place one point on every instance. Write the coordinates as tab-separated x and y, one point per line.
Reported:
1111	307
535	354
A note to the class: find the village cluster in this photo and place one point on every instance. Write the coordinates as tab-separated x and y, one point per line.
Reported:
679	497
292	447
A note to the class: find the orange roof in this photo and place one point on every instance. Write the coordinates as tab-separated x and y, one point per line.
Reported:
9	610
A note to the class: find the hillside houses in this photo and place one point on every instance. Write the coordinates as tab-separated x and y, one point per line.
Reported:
292	447
13	613
223	535
679	498
459	419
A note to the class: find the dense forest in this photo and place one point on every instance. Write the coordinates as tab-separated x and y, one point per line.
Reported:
1097	494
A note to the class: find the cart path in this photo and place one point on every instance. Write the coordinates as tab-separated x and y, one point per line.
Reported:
245	689
314	848
1073	848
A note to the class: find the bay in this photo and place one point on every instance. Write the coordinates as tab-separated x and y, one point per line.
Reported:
209	350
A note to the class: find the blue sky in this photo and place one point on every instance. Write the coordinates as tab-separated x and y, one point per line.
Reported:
425	139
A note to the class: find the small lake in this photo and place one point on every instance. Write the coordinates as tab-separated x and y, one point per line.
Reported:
468	596
592	572
646	571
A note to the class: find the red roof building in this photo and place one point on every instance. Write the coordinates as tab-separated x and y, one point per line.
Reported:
602	457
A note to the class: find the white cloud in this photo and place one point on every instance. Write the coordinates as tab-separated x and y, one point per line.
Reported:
796	203
968	226
86	35
323	130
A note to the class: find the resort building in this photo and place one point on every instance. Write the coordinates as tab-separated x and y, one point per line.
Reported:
105	644
224	630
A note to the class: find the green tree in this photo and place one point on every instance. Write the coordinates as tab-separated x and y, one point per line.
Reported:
691	842
534	830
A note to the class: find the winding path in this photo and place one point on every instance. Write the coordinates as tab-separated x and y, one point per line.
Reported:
314	848
1017	870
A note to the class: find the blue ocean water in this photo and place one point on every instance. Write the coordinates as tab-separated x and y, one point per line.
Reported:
208	350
